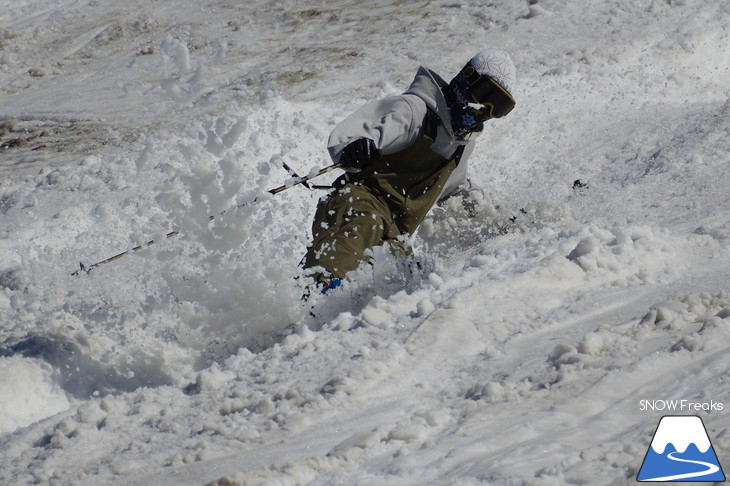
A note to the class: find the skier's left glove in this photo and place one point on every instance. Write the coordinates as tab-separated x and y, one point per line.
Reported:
359	154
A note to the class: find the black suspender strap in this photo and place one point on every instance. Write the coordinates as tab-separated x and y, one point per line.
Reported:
457	155
431	124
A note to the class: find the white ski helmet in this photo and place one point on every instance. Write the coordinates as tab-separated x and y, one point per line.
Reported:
497	65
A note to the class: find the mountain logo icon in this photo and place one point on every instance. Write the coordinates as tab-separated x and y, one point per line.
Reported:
681	451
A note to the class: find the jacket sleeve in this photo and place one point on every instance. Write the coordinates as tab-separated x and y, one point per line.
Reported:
393	123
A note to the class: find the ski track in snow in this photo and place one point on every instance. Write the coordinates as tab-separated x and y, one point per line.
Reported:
516	354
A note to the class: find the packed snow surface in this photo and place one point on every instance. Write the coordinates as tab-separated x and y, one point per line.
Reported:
545	330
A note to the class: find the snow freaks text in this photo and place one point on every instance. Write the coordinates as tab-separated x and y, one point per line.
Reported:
679	406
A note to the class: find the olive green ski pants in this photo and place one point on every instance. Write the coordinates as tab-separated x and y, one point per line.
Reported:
346	224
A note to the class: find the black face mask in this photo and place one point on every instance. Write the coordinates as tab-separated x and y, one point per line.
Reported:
466	117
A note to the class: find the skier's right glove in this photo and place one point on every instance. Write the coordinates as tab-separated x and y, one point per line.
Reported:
359	154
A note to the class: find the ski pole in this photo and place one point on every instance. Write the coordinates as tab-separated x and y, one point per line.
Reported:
293	173
304	179
294	182
305	184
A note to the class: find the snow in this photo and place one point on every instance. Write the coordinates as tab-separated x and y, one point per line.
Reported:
517	353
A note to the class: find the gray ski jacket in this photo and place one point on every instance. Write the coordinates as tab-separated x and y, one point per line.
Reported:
394	123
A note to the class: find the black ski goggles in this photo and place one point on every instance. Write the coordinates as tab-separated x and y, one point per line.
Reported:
485	91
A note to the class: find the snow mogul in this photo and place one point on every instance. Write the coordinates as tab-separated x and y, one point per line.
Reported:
401	155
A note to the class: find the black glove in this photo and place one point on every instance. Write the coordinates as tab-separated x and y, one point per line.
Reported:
359	154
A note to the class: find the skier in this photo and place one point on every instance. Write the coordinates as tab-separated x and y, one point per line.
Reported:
401	155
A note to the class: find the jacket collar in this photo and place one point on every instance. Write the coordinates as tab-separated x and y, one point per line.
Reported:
427	86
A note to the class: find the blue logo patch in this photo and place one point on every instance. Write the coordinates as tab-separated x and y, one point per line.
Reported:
681	451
